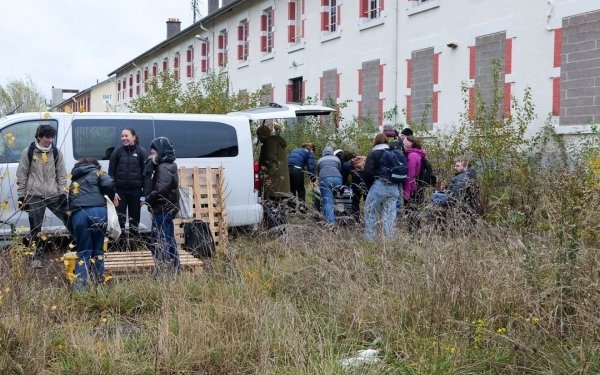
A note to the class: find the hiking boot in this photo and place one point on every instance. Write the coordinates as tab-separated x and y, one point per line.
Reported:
36	264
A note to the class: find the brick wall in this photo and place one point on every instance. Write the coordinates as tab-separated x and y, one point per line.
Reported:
370	91
580	69
490	48
422	86
329	94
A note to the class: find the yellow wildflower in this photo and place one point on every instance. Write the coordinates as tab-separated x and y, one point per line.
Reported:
4	205
60	346
107	278
535	319
54	307
104	320
501	330
6	290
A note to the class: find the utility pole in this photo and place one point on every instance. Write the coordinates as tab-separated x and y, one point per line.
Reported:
195	9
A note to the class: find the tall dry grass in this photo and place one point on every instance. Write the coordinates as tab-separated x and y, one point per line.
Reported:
486	302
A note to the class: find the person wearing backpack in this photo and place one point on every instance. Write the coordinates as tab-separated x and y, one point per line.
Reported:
413	196
89	184
299	160
126	167
41	184
384	186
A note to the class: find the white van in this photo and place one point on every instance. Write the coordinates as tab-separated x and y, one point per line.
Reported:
200	141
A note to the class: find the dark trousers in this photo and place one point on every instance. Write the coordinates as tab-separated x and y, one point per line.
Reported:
162	242
359	191
129	205
297	183
36	209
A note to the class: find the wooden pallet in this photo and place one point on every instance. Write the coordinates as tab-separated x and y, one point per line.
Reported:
209	203
142	261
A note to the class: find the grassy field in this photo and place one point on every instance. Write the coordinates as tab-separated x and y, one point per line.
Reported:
492	302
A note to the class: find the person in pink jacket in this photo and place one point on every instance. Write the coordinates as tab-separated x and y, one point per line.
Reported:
413	197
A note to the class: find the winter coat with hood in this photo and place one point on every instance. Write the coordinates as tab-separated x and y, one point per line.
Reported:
88	186
371	171
43	177
413	159
329	165
162	177
274	158
301	158
459	184
126	168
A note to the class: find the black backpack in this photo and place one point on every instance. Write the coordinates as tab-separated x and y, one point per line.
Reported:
426	176
392	166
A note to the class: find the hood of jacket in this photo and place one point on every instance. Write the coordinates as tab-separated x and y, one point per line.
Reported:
328	151
164	150
419	151
82	171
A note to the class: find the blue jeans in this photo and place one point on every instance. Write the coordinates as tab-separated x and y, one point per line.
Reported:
88	225
162	241
381	201
326	185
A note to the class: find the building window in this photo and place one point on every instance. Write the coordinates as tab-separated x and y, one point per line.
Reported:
138	80
223	43
146	76
330	15
130	80
204	54
189	62
295	21
371	9
176	66
267	31
294	90
243	40
154	69
165	66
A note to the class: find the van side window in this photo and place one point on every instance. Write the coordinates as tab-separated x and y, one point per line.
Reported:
16	137
98	137
199	139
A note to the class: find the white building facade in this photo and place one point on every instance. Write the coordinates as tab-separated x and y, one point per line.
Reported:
377	55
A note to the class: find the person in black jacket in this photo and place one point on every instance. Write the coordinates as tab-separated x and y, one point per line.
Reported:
87	205
126	167
163	199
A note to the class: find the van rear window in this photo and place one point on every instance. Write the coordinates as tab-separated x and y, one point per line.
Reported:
199	139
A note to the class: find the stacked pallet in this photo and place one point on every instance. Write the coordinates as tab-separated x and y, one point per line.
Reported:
208	197
142	261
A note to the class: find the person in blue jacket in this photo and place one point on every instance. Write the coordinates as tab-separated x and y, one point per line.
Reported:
299	160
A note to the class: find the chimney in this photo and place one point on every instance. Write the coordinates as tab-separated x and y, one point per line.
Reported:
173	27
213	6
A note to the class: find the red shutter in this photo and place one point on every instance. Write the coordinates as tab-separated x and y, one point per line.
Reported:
506	99
220	42
508	56
324	3
240	52
381	5
360	81
290	93
188	70
240	32
408	108
188	55
324	21
220	59
263	22
408	73
291	33
291	11
556	96
119	86
263	43
557	47
435	107
436	69
363	8
472	62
